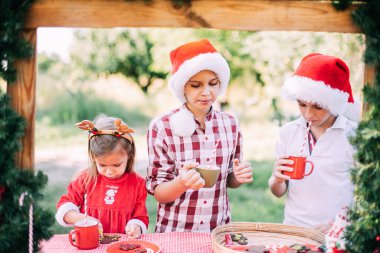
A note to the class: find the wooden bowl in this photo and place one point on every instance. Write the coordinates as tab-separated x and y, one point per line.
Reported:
267	234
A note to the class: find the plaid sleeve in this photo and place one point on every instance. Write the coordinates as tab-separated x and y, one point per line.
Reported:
161	166
140	211
238	143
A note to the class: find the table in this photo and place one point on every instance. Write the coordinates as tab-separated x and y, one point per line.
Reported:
173	242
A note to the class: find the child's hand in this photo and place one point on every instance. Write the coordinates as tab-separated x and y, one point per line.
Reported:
100	226
279	167
190	178
242	172
324	228
133	230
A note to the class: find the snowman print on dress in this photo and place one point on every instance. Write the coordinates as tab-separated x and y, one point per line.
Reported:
110	196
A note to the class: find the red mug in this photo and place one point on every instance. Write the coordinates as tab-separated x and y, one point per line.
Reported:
298	166
86	234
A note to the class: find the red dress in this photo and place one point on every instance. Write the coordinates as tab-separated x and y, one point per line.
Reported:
112	201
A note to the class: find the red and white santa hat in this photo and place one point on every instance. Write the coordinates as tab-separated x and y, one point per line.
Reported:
193	57
324	80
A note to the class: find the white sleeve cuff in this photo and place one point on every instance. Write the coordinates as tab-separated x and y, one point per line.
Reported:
139	223
62	210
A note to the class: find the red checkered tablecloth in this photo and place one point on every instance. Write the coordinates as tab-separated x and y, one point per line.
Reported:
175	242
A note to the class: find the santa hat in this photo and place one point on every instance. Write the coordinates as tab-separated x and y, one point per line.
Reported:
193	57
323	80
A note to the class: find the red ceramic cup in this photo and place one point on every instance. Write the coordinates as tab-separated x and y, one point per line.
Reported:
298	166
86	235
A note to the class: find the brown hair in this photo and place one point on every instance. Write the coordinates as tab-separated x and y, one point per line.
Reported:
99	145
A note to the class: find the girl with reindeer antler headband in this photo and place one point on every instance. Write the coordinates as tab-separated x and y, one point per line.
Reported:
109	191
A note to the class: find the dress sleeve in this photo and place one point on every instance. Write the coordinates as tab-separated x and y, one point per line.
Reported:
161	166
75	192
72	200
140	213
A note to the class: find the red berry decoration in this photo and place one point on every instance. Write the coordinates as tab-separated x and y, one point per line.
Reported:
94	131
2	190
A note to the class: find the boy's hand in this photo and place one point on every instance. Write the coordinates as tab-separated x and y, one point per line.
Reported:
242	172
189	178
133	230
279	167
324	228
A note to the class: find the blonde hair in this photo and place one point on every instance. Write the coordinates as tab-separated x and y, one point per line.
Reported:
99	145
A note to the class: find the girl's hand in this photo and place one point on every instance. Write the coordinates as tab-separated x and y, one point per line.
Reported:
279	167
190	178
242	172
133	230
100	226
72	217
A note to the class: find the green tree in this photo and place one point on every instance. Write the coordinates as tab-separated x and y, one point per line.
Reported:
126	52
260	61
234	45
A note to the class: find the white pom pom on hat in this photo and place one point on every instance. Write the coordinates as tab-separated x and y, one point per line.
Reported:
193	57
324	80
182	123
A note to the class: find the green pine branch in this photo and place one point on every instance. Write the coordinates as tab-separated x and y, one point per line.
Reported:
14	219
363	233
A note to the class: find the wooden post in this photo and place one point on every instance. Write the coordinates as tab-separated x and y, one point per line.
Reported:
23	97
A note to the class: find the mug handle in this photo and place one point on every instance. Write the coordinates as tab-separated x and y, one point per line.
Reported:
312	168
72	232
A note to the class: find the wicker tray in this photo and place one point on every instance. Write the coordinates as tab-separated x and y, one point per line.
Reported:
265	234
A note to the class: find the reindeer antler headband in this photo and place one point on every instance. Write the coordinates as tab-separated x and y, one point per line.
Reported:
121	130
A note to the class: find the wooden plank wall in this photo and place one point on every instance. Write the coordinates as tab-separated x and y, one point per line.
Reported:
254	15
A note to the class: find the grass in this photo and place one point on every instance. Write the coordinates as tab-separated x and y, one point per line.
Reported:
254	202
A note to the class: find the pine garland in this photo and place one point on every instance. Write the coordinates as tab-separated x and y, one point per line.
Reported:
363	235
12	44
14	219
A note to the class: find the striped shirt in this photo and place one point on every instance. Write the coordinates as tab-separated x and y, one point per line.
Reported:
195	210
311	141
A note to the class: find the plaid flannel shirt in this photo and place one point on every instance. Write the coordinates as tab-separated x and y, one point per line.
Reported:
206	208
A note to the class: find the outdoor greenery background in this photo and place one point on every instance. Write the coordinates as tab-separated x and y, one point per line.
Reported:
121	72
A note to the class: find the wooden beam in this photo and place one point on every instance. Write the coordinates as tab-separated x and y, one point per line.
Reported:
23	97
283	15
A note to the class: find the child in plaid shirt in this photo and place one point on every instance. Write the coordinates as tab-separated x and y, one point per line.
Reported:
195	134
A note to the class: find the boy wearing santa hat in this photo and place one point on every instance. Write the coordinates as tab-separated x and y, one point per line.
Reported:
195	134
323	92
